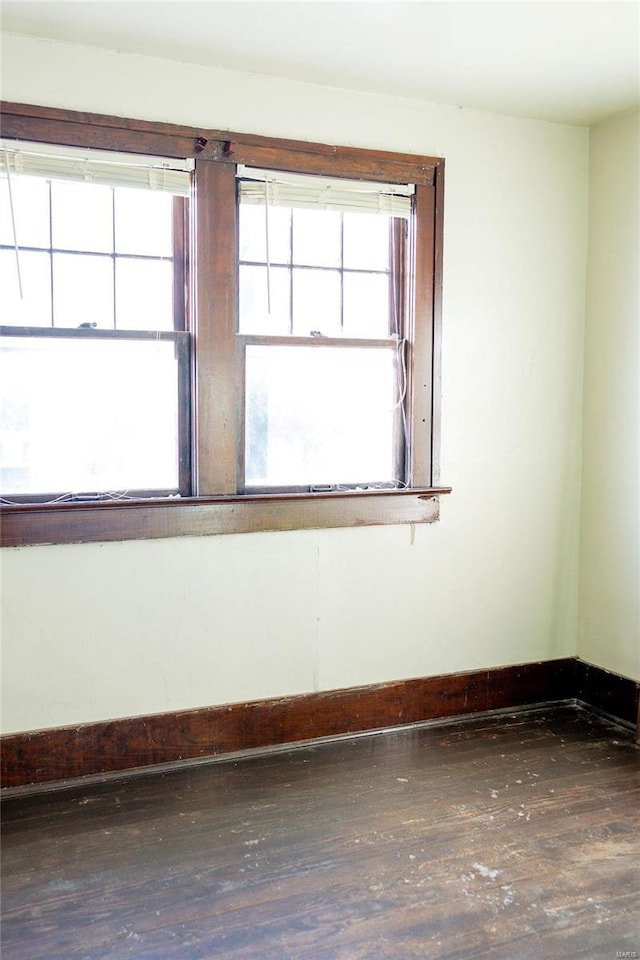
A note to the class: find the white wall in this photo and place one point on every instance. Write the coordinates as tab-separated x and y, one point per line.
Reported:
100	631
609	624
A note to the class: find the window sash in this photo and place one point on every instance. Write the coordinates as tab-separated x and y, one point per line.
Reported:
304	191
137	328
181	341
398	440
274	269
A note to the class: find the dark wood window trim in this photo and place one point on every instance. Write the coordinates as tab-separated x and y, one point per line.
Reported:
194	517
210	277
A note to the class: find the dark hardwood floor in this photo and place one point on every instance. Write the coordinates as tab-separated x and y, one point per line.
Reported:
501	837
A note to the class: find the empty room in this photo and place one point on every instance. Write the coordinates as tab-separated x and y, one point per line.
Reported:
267	694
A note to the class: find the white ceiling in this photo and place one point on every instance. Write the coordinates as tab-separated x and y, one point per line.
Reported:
571	62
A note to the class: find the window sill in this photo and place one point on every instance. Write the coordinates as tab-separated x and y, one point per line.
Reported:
32	524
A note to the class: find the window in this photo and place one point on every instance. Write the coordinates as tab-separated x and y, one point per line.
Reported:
242	338
321	332
95	354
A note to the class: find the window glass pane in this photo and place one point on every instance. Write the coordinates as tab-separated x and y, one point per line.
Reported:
316	302
87	416
316	238
252	232
319	415
366	241
82	290
366	305
255	316
30	209
144	294
33	309
143	222
82	216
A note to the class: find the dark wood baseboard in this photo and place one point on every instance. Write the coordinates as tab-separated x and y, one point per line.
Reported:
63	753
617	696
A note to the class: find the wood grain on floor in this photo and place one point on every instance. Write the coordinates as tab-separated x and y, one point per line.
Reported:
501	837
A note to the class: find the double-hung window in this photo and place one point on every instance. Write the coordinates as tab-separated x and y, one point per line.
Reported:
321	326
207	332
94	354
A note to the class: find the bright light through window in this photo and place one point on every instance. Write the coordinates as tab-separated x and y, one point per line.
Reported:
85	416
339	428
327	414
88	396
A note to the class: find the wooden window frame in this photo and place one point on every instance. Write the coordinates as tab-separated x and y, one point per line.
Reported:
398	247
178	335
211	295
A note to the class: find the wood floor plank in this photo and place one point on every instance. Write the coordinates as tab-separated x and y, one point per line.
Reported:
514	837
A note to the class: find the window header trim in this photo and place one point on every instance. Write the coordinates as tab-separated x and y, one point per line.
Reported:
58	126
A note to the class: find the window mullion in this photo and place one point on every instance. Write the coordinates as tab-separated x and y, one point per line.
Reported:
218	401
